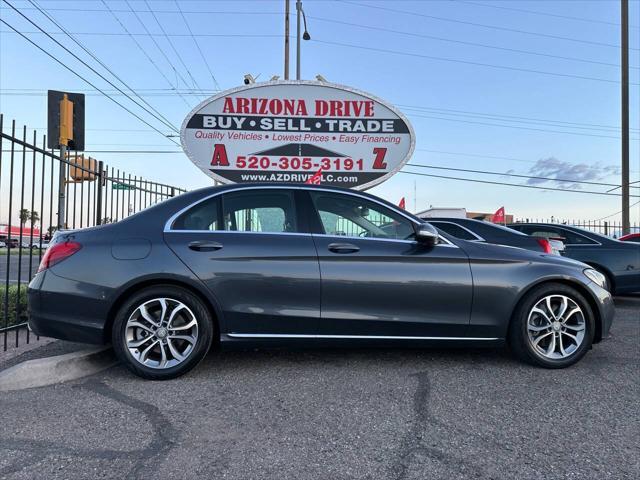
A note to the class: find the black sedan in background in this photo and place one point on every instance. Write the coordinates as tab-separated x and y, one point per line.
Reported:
480	231
618	261
265	264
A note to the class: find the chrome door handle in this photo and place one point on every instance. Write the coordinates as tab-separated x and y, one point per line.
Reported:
343	248
204	246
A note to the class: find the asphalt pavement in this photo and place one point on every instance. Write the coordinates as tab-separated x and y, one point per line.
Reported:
340	414
25	276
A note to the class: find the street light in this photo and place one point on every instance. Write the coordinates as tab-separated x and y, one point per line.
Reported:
305	36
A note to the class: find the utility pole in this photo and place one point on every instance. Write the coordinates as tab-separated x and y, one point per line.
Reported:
286	39
624	63
298	9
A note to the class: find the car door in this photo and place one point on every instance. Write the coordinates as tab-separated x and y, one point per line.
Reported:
377	281
252	250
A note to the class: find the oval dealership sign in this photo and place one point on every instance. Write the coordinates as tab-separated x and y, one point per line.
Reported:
288	131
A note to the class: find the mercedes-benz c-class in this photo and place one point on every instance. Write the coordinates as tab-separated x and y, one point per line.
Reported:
266	265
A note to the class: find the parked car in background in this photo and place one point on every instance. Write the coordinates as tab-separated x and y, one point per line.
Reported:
632	237
618	261
11	242
36	244
265	264
480	231
2	244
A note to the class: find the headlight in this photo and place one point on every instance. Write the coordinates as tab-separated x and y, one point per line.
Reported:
596	277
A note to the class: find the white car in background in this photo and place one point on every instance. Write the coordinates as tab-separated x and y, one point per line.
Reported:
36	244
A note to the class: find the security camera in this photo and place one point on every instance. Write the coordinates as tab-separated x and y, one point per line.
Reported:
320	78
248	79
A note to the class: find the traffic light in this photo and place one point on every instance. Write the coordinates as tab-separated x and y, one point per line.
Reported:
65	120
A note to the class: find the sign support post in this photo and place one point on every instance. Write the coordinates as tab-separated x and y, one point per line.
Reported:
66	134
286	39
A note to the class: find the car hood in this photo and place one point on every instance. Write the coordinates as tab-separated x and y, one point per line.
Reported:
481	250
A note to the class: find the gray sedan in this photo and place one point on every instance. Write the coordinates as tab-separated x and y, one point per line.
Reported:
266	264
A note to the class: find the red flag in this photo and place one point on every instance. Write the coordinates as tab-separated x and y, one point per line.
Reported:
402	204
316	179
498	217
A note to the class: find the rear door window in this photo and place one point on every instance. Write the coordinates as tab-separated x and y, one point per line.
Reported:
270	211
201	217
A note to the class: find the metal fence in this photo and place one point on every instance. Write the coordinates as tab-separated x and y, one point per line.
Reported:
30	187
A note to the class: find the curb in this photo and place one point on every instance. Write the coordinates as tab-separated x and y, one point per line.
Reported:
62	368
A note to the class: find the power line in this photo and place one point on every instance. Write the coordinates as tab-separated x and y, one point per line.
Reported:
204	59
144	52
405	107
144	26
482	25
462	42
194	12
506	184
87	81
173	47
467	62
515	175
546	14
617	213
86	65
510	159
177	35
159	116
495	116
471	122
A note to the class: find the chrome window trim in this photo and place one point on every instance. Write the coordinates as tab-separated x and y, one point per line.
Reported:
238	231
355	337
478	238
413	242
169	223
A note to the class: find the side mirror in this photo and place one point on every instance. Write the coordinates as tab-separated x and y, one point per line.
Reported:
427	234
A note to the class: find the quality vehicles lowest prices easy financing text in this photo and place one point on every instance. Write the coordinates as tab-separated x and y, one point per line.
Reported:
265	264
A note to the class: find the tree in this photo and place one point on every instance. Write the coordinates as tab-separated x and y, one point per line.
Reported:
34	218
24	216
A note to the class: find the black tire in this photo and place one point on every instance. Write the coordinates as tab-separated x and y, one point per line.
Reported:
519	341
205	328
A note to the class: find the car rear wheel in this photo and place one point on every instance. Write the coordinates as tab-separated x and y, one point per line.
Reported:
553	327
162	332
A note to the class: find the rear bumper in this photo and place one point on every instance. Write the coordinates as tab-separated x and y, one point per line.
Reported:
67	309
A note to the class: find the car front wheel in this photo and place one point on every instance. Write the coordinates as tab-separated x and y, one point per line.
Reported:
162	332
553	327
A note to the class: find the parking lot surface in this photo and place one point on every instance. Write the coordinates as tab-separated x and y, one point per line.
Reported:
341	414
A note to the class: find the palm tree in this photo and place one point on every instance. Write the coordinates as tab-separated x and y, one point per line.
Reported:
34	218
24	216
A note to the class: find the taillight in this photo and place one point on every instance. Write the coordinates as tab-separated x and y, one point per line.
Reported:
545	244
58	252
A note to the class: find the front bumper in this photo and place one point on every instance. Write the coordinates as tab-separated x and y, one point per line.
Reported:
606	309
67	309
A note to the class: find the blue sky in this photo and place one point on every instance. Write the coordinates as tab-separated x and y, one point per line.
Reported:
458	69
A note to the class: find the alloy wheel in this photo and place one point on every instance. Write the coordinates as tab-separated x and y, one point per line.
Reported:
556	327
161	333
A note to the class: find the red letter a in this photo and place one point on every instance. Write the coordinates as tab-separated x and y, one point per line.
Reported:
219	158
